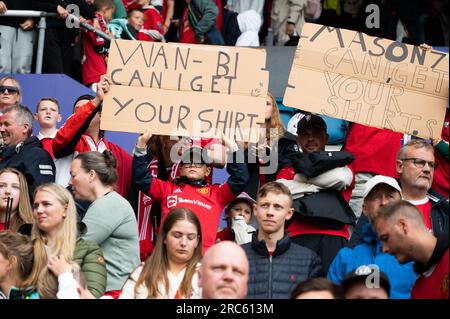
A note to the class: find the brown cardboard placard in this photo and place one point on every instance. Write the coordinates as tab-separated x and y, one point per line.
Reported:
196	82
179	113
372	81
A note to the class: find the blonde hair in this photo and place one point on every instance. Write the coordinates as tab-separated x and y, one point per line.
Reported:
65	240
274	123
24	213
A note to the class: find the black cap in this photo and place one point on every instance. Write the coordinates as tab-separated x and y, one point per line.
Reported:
311	120
194	155
360	274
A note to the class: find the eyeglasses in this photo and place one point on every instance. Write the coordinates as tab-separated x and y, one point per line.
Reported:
196	165
420	163
10	89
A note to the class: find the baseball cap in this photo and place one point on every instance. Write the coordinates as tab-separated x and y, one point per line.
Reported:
311	120
194	154
361	274
380	179
242	197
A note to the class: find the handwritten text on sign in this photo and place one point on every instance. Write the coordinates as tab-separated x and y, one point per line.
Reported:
173	86
368	80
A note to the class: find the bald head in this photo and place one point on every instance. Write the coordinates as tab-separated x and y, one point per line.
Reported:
224	272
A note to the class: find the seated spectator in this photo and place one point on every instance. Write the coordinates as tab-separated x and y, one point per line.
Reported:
55	233
366	282
403	233
263	157
15	205
16	41
10	92
16	264
380	190
277	265
191	190
315	178
239	215
109	219
153	29
23	151
127	29
48	114
81	133
249	24
93	63
224	272
316	288
171	270
198	24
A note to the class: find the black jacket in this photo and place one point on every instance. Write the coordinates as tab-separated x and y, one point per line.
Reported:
32	160
276	276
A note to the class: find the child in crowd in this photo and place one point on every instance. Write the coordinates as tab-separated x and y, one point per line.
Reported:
95	53
153	29
127	29
239	216
48	114
191	190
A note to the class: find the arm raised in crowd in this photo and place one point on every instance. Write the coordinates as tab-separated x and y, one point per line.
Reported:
70	133
141	174
236	167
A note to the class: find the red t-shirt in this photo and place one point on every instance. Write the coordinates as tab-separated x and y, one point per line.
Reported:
2	226
298	226
425	208
226	234
433	285
375	150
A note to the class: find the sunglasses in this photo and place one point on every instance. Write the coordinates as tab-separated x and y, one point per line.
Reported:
10	89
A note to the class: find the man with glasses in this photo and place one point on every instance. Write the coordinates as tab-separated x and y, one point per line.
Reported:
416	166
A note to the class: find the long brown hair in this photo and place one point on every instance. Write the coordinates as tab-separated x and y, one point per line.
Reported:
157	265
24	214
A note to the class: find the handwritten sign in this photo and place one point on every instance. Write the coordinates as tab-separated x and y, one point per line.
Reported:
185	90
371	81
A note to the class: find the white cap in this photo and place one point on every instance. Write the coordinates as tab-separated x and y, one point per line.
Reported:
292	124
380	179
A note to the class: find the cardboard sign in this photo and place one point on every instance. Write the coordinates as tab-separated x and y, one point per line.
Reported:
185	90
371	81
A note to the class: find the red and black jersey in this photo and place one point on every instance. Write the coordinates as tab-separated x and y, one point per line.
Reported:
206	200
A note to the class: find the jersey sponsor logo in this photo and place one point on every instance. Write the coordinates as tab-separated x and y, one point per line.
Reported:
194	202
203	190
172	201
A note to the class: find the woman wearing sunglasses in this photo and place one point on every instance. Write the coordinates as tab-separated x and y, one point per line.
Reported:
10	92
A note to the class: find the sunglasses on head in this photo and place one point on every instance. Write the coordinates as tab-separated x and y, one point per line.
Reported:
10	89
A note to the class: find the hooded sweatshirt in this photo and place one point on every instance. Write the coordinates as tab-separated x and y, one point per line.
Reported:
249	23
